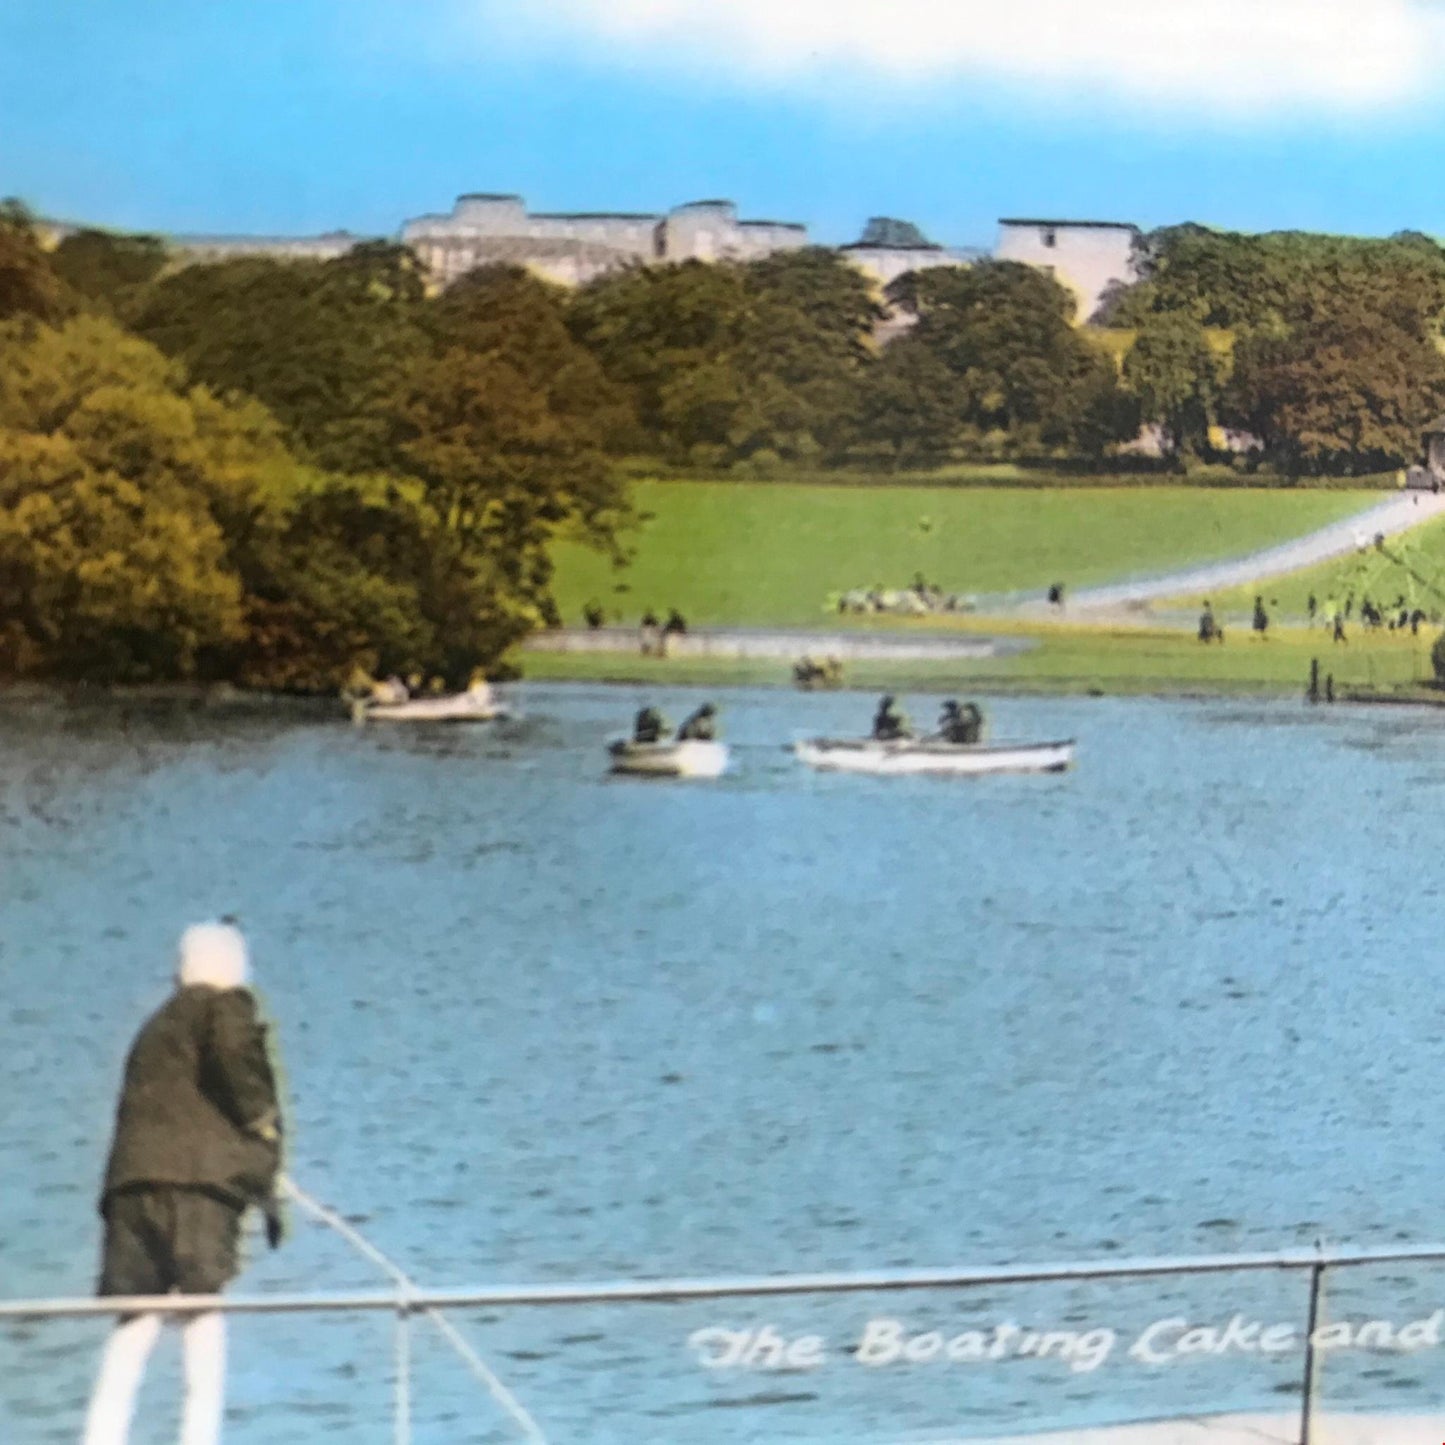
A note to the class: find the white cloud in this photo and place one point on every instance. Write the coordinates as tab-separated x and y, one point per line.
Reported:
1209	56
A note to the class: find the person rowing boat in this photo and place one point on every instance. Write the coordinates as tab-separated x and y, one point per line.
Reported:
700	726
890	722
649	726
961	725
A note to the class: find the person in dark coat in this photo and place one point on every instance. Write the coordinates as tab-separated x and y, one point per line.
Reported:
890	722
649	726
961	725
700	726
197	1142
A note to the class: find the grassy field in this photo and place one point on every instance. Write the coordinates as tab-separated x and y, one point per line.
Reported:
773	553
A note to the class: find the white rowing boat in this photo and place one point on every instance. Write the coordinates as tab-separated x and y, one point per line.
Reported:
917	755
476	705
669	758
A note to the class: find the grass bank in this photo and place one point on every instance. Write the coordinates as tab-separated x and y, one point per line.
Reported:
773	554
1065	659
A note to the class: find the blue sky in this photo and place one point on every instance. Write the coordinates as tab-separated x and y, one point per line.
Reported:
299	116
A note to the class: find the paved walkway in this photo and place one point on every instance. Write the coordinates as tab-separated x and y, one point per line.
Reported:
1249	1430
1399	514
902	645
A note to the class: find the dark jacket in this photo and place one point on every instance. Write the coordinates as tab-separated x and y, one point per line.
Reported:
198	1107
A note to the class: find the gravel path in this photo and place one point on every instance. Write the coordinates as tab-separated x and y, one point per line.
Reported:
1399	514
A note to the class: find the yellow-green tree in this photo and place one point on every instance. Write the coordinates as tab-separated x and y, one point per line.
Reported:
112	562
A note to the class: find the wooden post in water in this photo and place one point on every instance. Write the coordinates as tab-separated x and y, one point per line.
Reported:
1329	687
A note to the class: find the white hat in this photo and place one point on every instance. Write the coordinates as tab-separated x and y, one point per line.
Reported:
212	955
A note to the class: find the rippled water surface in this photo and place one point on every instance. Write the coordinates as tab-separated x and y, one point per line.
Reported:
540	1024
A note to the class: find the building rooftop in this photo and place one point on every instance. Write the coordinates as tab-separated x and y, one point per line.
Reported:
1076	225
884	246
594	216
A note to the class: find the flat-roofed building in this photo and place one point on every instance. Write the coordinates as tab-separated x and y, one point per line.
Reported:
1085	256
573	247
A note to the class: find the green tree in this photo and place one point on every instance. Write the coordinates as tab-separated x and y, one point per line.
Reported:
1003	330
728	362
1236	281
321	344
108	267
504	472
503	423
111	560
1345	391
28	283
912	405
1172	372
511	316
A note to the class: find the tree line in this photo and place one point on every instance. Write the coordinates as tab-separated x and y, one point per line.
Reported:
277	471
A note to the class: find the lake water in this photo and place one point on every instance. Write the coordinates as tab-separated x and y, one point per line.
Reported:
541	1024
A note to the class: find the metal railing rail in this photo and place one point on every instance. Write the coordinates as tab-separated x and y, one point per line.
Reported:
405	1301
727	1286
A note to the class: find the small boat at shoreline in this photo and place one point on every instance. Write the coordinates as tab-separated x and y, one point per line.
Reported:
476	705
668	758
924	755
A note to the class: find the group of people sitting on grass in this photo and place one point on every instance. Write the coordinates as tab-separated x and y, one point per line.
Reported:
956	724
699	726
809	674
918	599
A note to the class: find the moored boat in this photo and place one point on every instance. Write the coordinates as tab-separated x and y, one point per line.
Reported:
669	758
922	755
476	704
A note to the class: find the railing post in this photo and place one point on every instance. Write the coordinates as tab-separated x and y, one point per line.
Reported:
1317	1274
403	1372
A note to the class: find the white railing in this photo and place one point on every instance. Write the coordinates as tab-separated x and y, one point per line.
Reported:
407	1301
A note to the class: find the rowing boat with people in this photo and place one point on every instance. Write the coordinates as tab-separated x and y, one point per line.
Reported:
931	755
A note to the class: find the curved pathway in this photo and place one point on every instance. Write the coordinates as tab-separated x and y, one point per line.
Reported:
1399	514
785	644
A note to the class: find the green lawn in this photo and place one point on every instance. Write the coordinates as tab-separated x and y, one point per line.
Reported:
772	553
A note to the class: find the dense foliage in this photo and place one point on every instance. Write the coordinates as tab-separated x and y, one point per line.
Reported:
1336	342
730	364
292	471
1016	366
281	471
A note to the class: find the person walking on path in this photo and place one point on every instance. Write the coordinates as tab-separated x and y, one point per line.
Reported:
197	1142
1261	618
